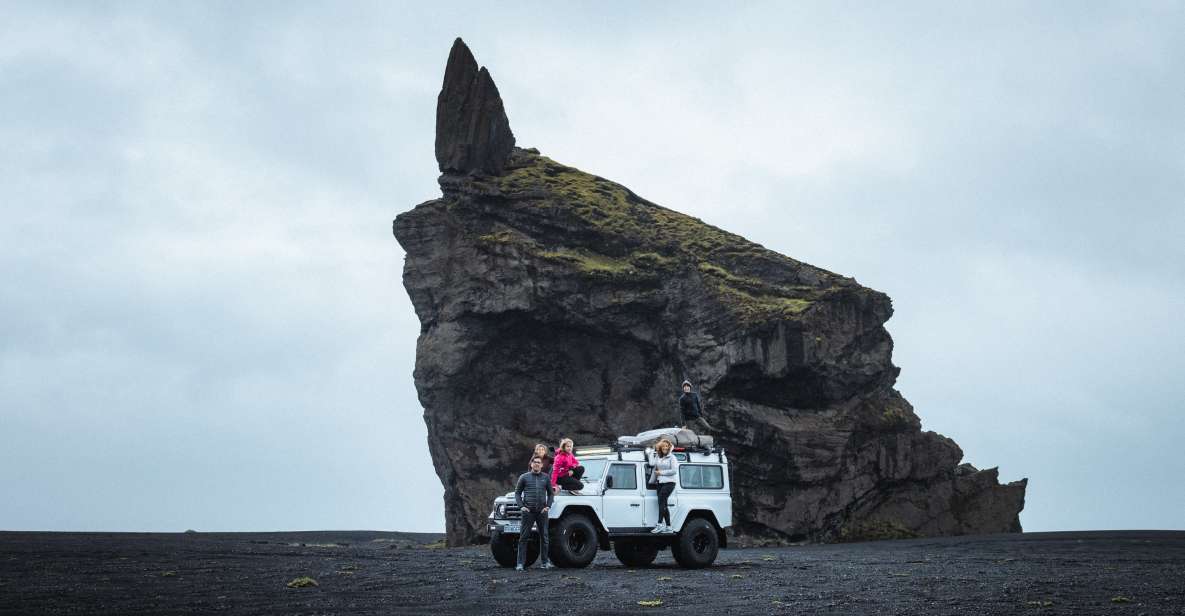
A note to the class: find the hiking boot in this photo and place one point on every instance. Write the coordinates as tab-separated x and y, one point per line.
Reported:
519	568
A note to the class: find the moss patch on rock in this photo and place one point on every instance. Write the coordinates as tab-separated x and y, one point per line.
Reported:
894	417
591	262
630	237
615	210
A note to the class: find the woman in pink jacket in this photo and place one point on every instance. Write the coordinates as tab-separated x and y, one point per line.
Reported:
566	470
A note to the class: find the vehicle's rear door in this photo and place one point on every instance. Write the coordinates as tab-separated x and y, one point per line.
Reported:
651	493
622	503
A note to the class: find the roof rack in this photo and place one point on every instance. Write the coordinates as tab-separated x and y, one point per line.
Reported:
620	448
697	448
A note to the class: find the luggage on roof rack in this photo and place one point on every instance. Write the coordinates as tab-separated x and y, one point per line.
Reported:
679	437
682	439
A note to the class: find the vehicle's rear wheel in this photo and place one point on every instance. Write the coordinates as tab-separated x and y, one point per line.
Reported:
697	545
505	550
634	552
574	542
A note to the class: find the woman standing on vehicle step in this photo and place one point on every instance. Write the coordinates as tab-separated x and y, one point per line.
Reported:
666	467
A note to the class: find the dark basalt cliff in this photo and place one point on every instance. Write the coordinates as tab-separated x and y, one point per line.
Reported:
557	303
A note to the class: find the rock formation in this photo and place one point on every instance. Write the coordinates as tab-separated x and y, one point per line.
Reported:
556	303
472	132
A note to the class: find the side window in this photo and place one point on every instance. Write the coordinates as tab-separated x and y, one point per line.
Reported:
701	477
625	476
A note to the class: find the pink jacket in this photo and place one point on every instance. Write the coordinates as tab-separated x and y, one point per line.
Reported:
564	462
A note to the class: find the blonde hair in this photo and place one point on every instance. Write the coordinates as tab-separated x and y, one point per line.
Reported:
670	446
568	441
536	449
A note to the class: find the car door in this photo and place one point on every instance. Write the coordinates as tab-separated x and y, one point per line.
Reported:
622	501
650	493
649	497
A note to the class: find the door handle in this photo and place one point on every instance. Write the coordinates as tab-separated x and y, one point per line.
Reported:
635	505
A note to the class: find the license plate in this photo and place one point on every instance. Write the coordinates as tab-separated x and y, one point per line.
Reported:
512	527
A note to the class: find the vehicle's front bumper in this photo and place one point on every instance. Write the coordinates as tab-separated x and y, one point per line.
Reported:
503	527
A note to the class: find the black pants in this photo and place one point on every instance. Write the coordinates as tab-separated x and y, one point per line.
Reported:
664	492
571	482
532	518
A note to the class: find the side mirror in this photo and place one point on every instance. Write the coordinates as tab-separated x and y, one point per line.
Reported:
608	483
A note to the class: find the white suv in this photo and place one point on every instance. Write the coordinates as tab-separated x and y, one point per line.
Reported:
616	506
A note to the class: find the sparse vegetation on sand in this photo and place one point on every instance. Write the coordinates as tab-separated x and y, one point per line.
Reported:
302	582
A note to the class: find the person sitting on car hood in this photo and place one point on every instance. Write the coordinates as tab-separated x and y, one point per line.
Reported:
566	471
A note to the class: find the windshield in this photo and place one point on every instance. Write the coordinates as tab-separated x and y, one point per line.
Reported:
593	469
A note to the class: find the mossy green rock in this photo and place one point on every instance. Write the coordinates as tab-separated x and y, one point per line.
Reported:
556	303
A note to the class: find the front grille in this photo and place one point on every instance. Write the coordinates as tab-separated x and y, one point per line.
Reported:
513	512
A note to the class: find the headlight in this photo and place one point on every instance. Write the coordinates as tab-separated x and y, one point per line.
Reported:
500	510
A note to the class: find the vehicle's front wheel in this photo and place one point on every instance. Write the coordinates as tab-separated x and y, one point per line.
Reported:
574	543
697	544
635	553
505	550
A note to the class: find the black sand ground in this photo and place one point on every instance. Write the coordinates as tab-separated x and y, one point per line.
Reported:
1133	572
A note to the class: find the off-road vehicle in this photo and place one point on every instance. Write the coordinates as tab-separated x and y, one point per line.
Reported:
617	509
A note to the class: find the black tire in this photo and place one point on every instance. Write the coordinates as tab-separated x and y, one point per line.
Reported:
574	541
697	544
505	550
635	553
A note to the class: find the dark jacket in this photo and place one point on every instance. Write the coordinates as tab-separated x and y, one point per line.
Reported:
689	405
533	491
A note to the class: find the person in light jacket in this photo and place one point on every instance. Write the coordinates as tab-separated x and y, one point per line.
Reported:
533	494
666	469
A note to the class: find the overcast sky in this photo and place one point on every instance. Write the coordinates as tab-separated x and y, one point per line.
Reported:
202	323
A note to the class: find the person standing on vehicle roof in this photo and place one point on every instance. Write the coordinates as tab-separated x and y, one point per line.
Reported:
691	412
533	494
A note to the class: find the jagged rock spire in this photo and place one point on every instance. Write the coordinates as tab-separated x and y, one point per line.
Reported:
472	132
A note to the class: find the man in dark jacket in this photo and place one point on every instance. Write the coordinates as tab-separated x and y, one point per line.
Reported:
533	494
691	411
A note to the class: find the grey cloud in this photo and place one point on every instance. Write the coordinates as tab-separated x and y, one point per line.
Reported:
205	326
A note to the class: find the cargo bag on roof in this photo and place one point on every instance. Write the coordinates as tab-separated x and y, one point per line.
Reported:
680	437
